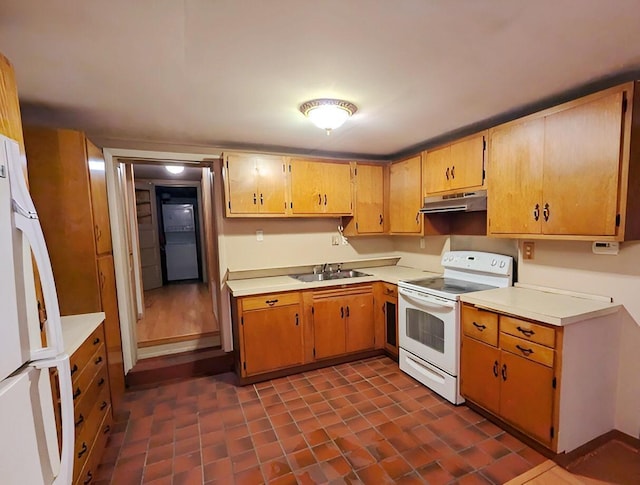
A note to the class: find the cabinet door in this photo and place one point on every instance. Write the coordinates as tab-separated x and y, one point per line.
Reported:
111	328
581	165
242	184
467	163
306	187
102	226
526	397
514	183
360	324
271	185
405	196
272	338
369	199
437	170
479	374
329	327
336	197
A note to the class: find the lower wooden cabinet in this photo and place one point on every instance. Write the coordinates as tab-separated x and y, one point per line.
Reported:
386	316
92	405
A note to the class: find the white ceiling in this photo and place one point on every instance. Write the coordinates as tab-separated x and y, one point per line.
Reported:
157	171
232	73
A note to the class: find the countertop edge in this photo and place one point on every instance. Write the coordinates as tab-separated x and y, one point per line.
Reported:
76	329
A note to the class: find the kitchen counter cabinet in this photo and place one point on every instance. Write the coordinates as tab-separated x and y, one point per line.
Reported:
457	166
320	187
564	173
369	194
255	185
386	316
405	196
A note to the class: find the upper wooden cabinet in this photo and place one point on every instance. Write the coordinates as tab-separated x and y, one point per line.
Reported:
459	165
320	187
564	172
255	184
369	207
405	196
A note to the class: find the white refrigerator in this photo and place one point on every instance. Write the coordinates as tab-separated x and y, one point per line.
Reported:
181	249
29	452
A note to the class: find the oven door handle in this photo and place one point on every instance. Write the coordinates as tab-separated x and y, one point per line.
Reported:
422	299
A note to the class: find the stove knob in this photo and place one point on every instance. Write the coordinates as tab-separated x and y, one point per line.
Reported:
502	264
493	262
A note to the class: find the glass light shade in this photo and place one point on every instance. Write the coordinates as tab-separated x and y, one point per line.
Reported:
174	169
327	113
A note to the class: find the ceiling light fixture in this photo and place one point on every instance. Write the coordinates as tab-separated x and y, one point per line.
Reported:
327	113
174	169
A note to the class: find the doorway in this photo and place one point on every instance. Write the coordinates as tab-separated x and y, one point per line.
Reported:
175	305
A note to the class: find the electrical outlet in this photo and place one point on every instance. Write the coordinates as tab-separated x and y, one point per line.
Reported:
421	243
335	240
259	236
528	250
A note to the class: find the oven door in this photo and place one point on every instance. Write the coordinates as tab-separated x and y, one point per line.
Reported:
428	328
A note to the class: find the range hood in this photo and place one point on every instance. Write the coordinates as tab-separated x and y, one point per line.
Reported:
462	202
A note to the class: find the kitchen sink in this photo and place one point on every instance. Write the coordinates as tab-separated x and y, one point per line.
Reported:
326	275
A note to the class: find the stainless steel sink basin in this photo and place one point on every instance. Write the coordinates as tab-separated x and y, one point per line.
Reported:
325	276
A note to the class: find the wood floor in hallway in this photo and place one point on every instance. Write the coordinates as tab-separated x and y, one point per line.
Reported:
175	313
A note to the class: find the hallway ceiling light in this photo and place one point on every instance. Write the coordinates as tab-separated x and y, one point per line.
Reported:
174	169
327	113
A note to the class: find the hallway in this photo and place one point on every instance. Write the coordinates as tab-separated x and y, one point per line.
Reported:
176	313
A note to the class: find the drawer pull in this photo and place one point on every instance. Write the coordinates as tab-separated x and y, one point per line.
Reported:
525	332
504	372
388	291
495	368
96	341
297	320
98	360
79	421
479	327
526	352
271	302
77	393
101	381
89	478
106	429
103	405
83	450
74	369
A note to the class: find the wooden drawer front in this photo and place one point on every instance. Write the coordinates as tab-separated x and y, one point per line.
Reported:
85	440
269	301
81	356
389	290
94	365
481	325
85	396
85	468
87	417
528	350
528	331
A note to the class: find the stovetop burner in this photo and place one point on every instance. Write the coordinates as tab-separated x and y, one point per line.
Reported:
450	286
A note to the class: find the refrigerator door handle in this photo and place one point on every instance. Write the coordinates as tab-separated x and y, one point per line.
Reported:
61	362
26	220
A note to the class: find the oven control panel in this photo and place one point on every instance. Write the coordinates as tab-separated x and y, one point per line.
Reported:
478	261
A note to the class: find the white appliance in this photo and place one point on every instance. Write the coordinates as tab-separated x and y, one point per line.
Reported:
28	436
429	316
181	250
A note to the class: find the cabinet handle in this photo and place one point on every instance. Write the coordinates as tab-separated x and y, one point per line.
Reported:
495	368
504	372
103	405
98	360
106	429
74	369
319	199
325	199
546	212
446	173
536	212
79	421
418	218
254	199
526	332
83	450
388	291
77	393
341	312
101	381
479	327
89	478
381	219
297	320
347	311
453	172
261	199
96	341
271	302
98	232
103	278
526	352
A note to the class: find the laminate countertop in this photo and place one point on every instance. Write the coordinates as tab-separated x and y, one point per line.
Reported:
541	305
76	329
271	284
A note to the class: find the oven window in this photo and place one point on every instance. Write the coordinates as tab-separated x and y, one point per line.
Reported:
426	329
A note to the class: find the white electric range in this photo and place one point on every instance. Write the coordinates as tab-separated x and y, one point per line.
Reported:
429	316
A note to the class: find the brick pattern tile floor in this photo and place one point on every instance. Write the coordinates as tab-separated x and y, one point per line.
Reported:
362	422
